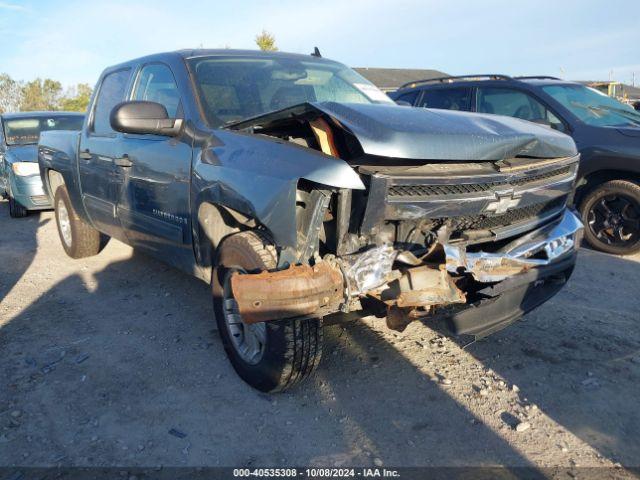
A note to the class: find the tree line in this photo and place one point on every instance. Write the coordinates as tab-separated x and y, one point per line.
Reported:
41	94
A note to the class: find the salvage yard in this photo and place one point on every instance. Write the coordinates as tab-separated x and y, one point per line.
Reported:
114	360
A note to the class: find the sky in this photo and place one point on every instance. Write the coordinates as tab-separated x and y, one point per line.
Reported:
73	41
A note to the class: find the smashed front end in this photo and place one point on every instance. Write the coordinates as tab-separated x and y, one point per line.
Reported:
473	228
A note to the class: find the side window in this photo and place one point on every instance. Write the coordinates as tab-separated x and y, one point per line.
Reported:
156	84
447	98
514	103
409	97
112	92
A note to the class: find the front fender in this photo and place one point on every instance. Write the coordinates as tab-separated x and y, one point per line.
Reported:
258	176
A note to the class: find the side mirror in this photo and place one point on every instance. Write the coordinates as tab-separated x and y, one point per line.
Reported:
403	103
144	117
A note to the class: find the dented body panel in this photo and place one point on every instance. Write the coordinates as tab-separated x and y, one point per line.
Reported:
258	176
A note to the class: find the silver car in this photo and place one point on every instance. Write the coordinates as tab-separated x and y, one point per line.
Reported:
19	173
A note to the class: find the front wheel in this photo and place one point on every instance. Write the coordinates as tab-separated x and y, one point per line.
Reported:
16	210
270	356
611	215
78	238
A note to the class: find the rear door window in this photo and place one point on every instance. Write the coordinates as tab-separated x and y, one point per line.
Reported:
447	98
112	91
156	84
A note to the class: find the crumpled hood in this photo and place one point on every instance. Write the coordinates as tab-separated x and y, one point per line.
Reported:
429	134
22	153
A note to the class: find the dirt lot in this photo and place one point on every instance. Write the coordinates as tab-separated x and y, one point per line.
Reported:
110	360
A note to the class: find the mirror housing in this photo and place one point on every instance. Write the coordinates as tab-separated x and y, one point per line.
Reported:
141	117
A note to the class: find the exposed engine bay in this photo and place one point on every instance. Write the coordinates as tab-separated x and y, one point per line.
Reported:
424	236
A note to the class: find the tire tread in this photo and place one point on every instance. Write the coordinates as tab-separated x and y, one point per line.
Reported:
302	337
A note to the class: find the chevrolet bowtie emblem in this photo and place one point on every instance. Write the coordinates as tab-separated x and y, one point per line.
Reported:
505	200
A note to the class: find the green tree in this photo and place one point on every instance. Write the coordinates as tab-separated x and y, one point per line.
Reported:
41	95
10	94
76	99
266	41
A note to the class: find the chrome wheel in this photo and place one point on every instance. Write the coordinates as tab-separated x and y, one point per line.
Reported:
64	223
249	340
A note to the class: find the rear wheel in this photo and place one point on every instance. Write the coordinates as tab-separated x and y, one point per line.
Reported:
78	238
269	356
611	215
16	210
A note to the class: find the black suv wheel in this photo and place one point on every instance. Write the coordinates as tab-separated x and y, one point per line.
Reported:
611	216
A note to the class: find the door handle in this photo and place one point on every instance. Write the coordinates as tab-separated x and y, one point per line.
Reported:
85	154
123	161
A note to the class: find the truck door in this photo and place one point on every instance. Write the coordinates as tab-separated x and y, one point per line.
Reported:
154	205
100	178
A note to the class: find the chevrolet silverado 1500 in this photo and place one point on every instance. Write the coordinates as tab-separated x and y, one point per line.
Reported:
303	194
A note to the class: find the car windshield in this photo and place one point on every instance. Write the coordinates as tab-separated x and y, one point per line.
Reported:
593	107
235	88
26	130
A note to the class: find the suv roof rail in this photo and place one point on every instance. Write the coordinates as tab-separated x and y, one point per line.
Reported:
490	76
537	77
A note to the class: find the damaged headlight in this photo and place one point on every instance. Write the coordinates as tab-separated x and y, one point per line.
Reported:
371	269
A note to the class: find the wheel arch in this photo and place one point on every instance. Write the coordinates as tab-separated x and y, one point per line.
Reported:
593	179
215	222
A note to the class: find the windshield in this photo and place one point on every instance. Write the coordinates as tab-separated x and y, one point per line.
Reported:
26	130
593	107
235	88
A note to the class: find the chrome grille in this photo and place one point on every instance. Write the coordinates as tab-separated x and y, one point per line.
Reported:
465	188
515	216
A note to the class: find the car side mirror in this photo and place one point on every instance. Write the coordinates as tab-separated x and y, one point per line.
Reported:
403	103
142	117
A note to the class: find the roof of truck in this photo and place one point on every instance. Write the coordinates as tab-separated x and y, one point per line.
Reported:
38	114
226	52
203	52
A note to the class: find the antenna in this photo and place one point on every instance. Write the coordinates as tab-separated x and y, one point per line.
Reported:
316	52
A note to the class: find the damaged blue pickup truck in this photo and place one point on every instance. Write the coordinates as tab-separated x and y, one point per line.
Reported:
304	195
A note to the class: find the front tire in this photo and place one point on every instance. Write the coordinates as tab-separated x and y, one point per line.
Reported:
270	356
16	210
78	238
611	216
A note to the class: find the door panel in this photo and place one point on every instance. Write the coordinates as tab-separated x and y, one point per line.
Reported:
154	205
102	180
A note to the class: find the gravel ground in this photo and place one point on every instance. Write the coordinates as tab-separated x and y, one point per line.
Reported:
114	361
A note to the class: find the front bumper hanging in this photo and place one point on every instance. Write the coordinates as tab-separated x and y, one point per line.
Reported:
328	286
541	247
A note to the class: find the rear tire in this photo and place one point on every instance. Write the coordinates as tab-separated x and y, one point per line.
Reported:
611	216
16	210
78	238
288	350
